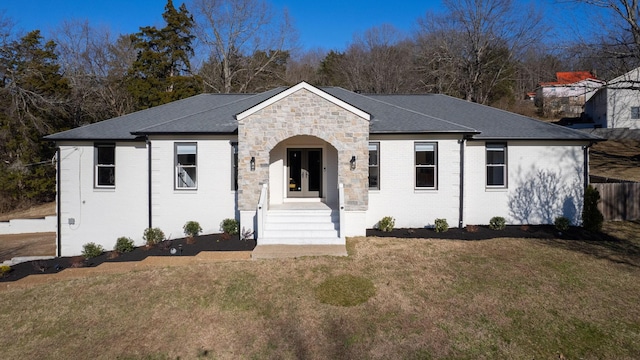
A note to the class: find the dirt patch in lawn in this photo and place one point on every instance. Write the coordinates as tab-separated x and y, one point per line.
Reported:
34	244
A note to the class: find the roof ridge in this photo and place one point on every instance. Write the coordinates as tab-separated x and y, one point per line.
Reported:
204	111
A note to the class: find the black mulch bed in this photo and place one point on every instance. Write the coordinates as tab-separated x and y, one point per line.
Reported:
214	242
222	242
485	233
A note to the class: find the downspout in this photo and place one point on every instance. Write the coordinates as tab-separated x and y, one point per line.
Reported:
585	149
58	206
461	195
149	194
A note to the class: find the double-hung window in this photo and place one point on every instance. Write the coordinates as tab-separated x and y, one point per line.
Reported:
635	112
426	165
186	165
105	165
234	165
496	165
374	165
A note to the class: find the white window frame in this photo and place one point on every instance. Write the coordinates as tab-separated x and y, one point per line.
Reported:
496	147
434	166
99	167
375	146
182	170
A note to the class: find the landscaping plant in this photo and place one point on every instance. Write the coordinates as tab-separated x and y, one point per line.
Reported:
592	218
192	228
91	250
441	225
229	226
562	223
153	236
497	223
246	234
124	244
386	224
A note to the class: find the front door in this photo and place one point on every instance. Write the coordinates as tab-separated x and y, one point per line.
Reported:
305	173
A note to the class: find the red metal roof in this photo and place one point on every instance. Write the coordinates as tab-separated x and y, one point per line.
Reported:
569	77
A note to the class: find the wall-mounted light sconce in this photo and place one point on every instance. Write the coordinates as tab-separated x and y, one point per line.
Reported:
252	163
352	162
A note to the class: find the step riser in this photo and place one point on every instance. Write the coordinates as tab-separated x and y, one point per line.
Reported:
299	226
300	241
312	233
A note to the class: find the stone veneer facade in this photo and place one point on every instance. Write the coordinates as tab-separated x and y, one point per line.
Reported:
303	113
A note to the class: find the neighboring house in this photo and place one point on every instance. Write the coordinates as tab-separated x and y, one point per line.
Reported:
617	104
568	94
307	165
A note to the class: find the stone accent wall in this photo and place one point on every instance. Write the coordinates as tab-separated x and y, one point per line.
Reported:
303	113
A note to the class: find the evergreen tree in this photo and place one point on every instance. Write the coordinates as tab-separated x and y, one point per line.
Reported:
33	96
162	71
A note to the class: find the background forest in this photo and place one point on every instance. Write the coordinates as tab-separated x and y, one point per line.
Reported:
486	51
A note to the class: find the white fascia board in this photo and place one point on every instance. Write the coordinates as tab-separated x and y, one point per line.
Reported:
311	88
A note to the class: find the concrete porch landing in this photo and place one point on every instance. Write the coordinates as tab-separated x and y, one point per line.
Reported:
294	251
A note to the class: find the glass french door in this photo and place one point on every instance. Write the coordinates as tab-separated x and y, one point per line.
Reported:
305	173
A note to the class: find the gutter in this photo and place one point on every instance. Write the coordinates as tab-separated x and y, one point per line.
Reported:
461	195
58	206
585	149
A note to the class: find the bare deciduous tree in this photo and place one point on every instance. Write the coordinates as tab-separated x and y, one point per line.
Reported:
231	30
475	44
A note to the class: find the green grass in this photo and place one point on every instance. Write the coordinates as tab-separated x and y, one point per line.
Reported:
432	299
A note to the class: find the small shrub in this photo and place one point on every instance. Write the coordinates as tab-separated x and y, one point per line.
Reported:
229	226
497	223
91	250
4	270
525	227
192	228
124	244
441	225
153	236
562	223
386	224
592	218
246	234
76	262
345	290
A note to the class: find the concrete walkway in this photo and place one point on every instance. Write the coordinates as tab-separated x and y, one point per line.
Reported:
122	267
294	251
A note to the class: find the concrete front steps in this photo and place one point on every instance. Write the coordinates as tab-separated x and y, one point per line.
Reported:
300	232
301	227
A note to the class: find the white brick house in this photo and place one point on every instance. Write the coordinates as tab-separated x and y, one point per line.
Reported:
307	165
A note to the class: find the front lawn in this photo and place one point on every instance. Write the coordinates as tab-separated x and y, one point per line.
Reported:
501	298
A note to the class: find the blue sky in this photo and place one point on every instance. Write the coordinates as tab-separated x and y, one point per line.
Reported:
327	24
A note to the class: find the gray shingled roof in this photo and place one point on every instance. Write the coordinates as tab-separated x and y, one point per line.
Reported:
491	122
215	113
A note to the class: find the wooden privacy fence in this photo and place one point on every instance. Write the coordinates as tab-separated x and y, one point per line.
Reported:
619	201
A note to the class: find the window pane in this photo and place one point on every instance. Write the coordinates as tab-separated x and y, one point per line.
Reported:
187	159
373	177
425	177
373	156
106	155
186	149
495	157
425	158
106	176
186	177
495	175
